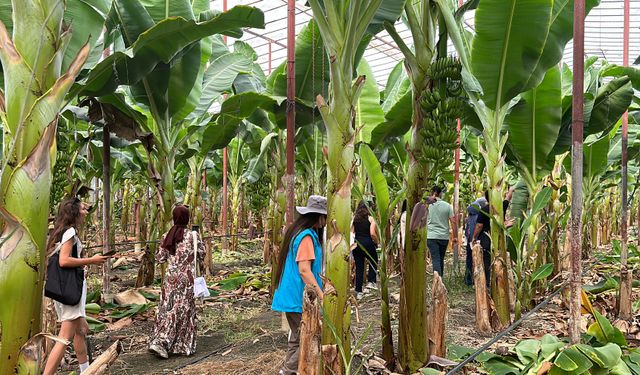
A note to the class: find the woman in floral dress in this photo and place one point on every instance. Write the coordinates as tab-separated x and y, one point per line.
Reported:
175	329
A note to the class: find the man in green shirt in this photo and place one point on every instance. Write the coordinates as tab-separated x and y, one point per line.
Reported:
439	221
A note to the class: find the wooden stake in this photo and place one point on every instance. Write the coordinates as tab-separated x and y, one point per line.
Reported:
483	324
102	363
439	313
310	334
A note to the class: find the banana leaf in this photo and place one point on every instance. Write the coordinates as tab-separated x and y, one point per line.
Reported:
153	47
396	87
368	110
534	124
397	121
600	114
225	125
311	70
510	37
560	32
378	181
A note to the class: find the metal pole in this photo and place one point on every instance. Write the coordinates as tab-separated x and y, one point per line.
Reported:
106	217
624	298
456	198
225	157
291	107
576	169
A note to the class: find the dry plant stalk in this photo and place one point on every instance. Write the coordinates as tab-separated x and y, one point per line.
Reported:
102	363
439	314
310	334
483	322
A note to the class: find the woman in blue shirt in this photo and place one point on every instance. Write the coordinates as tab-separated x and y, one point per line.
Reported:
299	264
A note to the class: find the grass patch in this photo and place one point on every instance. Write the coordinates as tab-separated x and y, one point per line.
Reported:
235	323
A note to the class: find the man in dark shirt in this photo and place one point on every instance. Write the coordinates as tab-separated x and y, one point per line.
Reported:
482	231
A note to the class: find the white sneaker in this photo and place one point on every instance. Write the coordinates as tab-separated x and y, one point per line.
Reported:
359	296
372	286
158	351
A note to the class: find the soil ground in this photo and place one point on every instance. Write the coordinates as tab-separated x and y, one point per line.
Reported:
239	334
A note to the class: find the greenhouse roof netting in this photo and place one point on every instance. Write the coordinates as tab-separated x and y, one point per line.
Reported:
603	35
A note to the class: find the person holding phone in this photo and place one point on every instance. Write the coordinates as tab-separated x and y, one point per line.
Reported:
175	328
64	239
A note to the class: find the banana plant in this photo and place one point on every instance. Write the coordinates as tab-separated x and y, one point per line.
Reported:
173	80
382	215
40	59
167	77
343	36
429	111
520	237
501	61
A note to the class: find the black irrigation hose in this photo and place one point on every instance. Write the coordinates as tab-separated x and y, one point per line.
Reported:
157	241
486	346
196	360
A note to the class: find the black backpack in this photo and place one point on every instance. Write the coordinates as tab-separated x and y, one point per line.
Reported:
64	284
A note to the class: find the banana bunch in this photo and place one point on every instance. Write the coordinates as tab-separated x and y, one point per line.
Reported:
454	88
442	104
430	100
63	158
445	67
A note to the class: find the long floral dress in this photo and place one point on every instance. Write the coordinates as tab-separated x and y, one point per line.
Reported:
175	328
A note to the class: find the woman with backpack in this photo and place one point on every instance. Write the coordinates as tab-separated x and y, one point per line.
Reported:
175	329
65	246
299	264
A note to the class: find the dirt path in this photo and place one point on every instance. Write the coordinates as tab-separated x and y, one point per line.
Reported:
239	334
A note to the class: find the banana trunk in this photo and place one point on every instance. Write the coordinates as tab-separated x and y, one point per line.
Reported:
494	159
338	118
33	94
413	344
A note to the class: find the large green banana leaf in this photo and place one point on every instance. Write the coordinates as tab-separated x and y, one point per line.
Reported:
560	32
257	165
378	181
616	71
633	145
219	77
159	45
397	85
312	68
534	123
397	121
86	19
596	157
600	113
225	125
368	110
510	37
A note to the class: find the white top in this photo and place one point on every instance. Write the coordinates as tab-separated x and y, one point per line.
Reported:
67	312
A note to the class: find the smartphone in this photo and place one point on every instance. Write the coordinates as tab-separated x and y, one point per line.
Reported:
111	253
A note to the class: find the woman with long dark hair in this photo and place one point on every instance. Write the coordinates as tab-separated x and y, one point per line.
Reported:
366	237
175	328
64	239
299	264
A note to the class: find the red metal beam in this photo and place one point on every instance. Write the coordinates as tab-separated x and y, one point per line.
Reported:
291	107
456	197
624	298
225	188
576	170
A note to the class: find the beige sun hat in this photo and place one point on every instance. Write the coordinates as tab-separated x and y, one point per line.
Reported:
315	204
